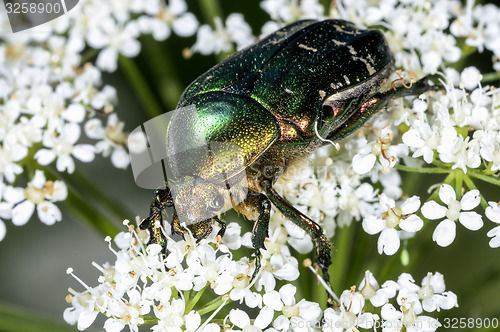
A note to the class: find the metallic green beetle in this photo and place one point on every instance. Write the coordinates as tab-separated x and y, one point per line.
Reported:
269	107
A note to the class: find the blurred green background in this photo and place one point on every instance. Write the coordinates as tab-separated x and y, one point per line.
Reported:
34	258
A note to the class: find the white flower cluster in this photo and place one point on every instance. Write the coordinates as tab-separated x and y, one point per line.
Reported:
143	286
456	131
412	300
49	95
236	33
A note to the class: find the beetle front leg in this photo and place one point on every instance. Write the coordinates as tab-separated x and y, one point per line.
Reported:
222	225
323	248
154	222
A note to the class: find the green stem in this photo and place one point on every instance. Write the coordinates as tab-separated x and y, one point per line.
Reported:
140	86
491	77
190	305
459	175
17	319
425	170
485	178
343	243
89	215
210	10
212	305
150	320
167	78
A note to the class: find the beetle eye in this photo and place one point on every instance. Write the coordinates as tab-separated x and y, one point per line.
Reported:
217	203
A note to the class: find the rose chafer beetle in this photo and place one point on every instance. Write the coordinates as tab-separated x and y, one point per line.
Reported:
276	102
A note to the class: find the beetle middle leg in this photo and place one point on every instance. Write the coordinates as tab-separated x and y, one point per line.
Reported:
257	207
323	248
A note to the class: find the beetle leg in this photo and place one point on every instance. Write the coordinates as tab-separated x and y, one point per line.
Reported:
323	247
222	227
154	221
256	207
175	226
260	229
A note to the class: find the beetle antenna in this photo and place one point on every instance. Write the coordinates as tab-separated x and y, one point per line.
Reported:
336	145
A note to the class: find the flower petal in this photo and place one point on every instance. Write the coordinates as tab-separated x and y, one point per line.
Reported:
495	235
492	212
86	319
48	213
373	225
65	163
470	200
471	220
22	213
94	129
84	152
38	180
363	164
447	193
239	318
445	232
411	224
432	210
193	321
273	300
388	241
411	205
44	156
74	113
264	318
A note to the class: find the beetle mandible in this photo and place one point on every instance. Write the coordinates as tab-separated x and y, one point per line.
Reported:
270	106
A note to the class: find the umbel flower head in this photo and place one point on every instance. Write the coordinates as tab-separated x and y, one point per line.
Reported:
143	287
56	111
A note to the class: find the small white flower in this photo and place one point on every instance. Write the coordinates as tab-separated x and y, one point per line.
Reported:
9	155
221	40
370	290
423	140
112	139
114	39
63	147
240	319
304	313
445	232
40	194
470	78
433	295
492	212
392	217
173	16
352	300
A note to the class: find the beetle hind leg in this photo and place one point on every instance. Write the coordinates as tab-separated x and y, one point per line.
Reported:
323	247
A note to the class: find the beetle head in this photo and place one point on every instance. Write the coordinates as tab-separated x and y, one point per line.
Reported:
197	200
